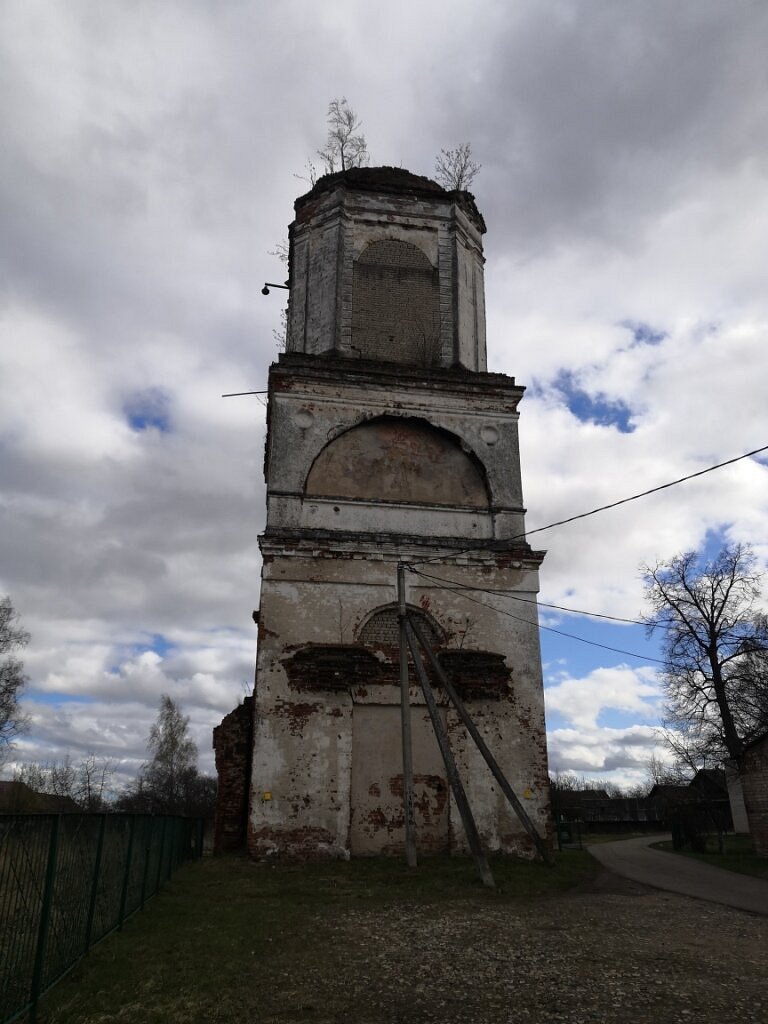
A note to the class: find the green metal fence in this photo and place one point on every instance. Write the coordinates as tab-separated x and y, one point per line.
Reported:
68	880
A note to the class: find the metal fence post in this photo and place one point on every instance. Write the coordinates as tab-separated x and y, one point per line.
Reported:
95	884
174	854
127	875
160	855
45	918
66	910
145	872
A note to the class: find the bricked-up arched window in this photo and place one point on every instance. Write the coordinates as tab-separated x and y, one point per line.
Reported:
382	629
401	460
396	305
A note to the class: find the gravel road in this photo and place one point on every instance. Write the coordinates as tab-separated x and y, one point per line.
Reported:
616	952
638	860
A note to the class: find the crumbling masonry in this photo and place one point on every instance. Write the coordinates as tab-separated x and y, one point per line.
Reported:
388	441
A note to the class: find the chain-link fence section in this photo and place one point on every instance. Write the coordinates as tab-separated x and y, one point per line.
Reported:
68	880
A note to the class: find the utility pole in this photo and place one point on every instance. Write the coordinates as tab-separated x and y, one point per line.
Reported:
459	794
405	718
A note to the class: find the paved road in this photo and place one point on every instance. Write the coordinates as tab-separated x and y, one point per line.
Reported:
633	858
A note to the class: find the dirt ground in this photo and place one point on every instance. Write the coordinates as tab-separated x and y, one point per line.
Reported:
612	952
230	942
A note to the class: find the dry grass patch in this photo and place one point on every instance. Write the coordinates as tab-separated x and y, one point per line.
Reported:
226	935
371	943
738	855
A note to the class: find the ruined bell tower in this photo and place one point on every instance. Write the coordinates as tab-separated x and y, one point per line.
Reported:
388	442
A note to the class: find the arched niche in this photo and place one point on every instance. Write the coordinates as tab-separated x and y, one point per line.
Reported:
398	460
381	630
396	304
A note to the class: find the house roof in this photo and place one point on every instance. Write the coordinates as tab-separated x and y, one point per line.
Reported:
711	781
673	794
757	741
18	798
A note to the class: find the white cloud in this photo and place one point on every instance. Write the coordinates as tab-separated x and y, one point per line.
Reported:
582	701
148	167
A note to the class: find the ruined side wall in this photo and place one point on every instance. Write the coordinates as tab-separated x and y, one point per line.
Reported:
233	744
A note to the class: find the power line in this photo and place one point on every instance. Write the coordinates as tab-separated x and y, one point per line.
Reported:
238	394
560	632
524	600
651	490
602	508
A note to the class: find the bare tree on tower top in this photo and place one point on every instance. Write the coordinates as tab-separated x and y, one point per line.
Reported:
345	146
455	168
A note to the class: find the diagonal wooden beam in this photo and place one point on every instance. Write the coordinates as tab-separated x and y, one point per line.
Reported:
457	788
473	731
405	726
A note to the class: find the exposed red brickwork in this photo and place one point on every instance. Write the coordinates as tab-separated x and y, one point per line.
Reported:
396	305
476	673
754	781
329	666
339	667
296	713
300	844
382	630
233	744
390	252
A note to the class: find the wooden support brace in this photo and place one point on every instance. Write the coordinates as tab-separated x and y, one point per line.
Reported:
450	765
490	760
405	724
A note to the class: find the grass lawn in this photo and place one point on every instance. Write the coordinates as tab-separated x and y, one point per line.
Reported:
738	855
211	946
589	839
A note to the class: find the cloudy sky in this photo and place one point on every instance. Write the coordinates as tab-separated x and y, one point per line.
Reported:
148	165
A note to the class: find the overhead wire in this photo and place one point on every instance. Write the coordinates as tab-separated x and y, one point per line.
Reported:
560	632
601	508
525	600
550	526
238	394
562	522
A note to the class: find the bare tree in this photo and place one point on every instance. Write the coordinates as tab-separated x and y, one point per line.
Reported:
311	173
345	146
659	773
455	168
13	721
170	783
93	778
85	782
174	758
280	334
715	649
281	251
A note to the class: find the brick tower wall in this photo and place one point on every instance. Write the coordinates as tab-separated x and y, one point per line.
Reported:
233	744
